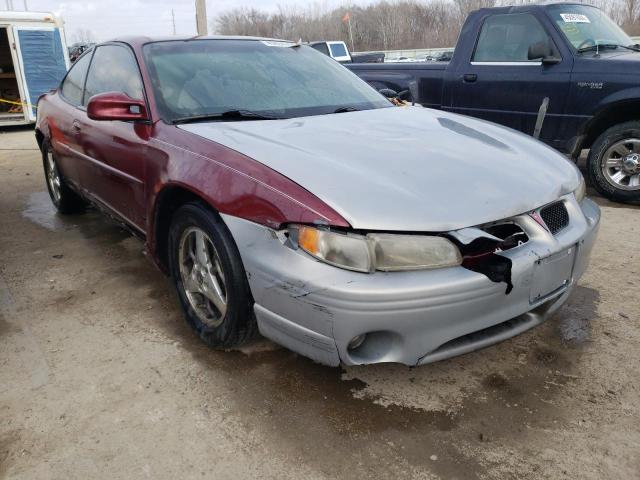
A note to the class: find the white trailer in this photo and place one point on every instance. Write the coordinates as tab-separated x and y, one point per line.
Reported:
33	60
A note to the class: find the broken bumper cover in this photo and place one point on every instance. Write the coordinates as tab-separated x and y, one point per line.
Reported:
410	317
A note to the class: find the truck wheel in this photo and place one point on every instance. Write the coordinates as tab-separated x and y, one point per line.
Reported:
210	279
64	199
614	162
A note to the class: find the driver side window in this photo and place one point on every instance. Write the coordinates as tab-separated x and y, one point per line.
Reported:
113	69
507	38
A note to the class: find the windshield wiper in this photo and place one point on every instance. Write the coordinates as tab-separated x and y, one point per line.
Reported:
346	109
604	46
230	115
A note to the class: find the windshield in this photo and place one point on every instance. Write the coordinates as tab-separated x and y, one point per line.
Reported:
209	77
586	26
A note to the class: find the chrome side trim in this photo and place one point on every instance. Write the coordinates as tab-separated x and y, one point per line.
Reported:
508	64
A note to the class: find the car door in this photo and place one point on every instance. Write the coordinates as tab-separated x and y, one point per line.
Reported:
499	83
64	126
114	149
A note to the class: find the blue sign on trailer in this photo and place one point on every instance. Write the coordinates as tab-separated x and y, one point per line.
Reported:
43	60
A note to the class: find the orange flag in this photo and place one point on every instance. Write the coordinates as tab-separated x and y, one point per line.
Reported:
345	18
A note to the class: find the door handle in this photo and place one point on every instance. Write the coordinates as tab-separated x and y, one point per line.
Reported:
76	126
469	77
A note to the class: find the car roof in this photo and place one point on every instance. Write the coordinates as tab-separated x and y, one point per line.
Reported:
141	40
530	6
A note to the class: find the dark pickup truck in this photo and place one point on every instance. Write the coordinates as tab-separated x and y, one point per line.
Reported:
565	73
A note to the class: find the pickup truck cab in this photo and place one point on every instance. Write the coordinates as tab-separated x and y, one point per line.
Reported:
339	51
564	73
336	50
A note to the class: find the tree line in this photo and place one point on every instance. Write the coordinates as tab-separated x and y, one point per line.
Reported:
385	24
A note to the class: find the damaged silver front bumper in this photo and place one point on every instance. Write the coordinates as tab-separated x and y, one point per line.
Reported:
410	317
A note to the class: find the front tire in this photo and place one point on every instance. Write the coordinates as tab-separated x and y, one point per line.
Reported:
209	277
63	198
613	165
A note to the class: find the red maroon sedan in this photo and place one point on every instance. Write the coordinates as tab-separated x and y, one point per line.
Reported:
283	194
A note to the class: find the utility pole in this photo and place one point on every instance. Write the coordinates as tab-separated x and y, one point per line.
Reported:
351	34
26	7
201	17
173	18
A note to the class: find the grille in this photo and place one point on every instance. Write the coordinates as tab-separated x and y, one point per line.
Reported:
555	216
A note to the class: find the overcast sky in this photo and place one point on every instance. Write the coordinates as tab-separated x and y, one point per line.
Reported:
111	18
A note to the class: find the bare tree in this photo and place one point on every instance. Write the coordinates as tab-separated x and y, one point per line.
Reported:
83	35
386	24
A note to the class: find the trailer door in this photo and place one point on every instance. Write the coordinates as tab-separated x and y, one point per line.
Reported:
42	60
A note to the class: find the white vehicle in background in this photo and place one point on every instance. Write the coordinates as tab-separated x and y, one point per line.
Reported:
33	60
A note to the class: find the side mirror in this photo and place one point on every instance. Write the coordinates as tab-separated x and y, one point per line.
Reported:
542	51
388	92
116	106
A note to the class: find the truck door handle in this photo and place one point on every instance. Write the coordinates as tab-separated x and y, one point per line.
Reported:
469	77
76	126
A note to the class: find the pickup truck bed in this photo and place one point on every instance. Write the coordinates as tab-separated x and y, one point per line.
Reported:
426	76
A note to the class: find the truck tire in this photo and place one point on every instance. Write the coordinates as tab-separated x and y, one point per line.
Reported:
63	198
613	165
208	274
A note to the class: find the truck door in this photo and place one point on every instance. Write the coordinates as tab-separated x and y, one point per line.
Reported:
42	61
498	82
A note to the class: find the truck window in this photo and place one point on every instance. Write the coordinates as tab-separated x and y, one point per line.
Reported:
113	69
338	50
73	83
507	38
321	47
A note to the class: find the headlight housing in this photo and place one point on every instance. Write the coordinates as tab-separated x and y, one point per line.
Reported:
581	191
376	251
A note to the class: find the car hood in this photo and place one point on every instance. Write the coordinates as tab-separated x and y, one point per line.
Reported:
405	169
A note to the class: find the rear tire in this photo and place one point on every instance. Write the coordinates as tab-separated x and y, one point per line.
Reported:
209	277
613	165
63	198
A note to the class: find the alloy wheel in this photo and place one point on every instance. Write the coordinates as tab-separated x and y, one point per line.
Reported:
202	276
621	164
53	177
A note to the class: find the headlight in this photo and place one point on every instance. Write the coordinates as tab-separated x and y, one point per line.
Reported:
581	191
385	252
345	251
413	252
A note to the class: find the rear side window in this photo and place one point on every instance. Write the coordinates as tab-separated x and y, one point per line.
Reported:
74	81
321	47
113	69
507	38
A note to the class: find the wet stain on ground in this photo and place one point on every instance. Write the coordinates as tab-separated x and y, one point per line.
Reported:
6	328
41	211
7	443
91	224
574	319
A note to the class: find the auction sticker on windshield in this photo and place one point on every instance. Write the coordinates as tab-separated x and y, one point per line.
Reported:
575	18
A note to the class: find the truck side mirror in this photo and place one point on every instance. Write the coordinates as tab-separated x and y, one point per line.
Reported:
542	51
389	93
